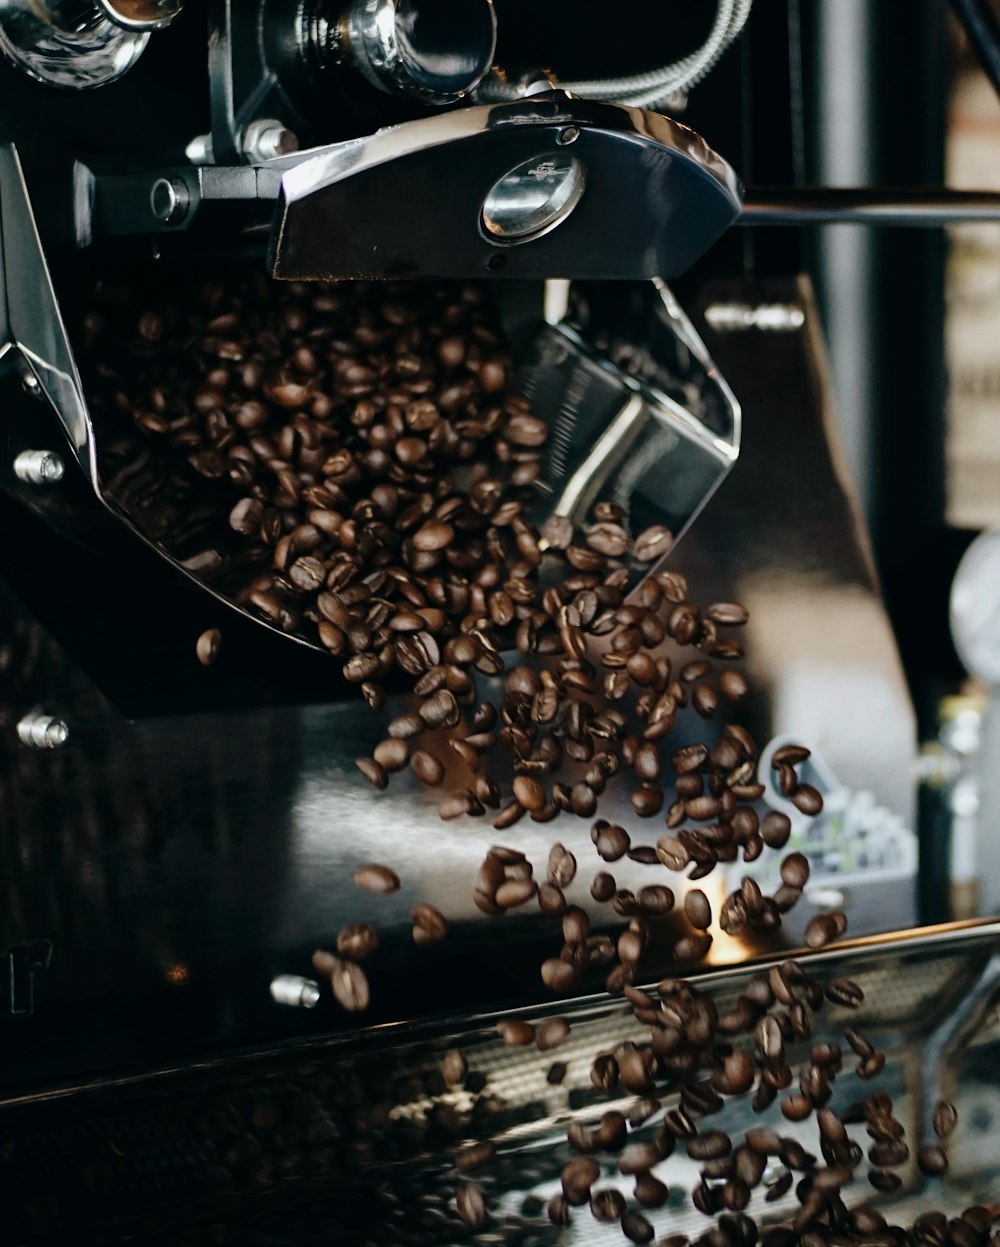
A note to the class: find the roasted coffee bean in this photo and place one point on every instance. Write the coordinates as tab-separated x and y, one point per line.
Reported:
607	538
945	1119
350	985
932	1160
736	1074
561	866
639	1158
704	700
775	830
357	940
655	898
797	1107
709	1145
726	613
702	808
795	870
471	1204
630	946
558	1210
454	1067
559	975
556	1073
515	1033
514	892
405	726
807	799
697	909
603	886
636	1228
844	992
650	1192
525	430
208	646
373	771
551	900
779	1187
391	754
820	931
428	769
733	685
884	1180
889	1154
429	925
551	1033
375	878
611	841
475	1157
647	762
577	1177
647	800
557	532
575	925
672	853
529	792
692	947
652	543
607	1204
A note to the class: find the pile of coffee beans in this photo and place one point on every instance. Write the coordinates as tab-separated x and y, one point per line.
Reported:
711	1058
378	472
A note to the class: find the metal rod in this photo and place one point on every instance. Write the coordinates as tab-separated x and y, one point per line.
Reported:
983	30
865	205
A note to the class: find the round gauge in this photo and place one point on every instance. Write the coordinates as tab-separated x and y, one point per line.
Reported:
975	608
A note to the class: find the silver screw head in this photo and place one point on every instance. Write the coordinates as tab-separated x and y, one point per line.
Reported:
42	731
296	991
39	467
169	200
267	138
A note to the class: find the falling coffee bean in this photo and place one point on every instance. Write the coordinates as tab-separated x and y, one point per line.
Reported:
515	1033
208	646
375	878
357	940
429	925
471	1204
350	985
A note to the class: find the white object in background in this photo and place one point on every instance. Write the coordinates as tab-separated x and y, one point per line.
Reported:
853	840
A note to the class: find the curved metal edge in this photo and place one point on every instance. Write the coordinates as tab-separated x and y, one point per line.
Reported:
686	332
952	935
34	323
318	168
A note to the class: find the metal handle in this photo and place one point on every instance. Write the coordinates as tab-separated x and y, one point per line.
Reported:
825	205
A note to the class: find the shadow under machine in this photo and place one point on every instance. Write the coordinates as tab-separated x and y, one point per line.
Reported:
176	839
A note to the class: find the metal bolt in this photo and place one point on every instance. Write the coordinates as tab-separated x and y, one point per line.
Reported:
42	731
569	135
39	467
200	150
266	138
741	317
170	200
294	990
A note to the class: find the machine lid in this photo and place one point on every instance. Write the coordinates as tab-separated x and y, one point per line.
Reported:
548	186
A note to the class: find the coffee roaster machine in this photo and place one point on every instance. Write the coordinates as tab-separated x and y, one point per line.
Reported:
175	841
